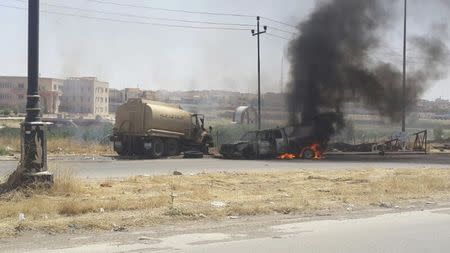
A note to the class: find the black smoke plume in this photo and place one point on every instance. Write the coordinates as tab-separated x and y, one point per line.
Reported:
334	61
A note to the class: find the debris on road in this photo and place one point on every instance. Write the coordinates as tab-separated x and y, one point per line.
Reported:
385	205
117	228
177	173
193	154
21	217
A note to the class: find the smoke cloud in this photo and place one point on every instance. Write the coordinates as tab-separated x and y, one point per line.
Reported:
334	61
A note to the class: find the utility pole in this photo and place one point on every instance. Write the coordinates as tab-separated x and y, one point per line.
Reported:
33	164
404	73
257	33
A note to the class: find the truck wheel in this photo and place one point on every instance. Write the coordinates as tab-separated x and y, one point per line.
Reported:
172	148
205	149
158	148
308	154
123	151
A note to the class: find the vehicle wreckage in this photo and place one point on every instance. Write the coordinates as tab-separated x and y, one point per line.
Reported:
283	143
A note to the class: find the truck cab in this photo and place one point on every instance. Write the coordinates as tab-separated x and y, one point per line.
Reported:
199	133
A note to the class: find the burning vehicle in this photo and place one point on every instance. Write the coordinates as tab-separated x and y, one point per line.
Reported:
298	141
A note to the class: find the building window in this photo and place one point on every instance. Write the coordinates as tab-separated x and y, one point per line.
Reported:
21	86
20	96
4	97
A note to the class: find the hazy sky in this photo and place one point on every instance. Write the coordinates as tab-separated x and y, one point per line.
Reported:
156	57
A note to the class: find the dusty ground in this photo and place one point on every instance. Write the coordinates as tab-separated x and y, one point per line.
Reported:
138	201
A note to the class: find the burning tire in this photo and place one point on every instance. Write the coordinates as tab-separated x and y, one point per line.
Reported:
308	153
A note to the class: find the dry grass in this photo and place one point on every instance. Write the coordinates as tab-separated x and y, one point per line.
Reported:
77	147
137	201
63	146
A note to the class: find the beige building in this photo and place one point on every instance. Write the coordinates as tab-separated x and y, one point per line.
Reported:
85	95
13	93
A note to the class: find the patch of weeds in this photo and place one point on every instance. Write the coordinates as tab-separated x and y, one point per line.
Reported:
3	151
176	211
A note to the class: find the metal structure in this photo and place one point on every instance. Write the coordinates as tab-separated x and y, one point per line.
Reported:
419	145
257	33
245	115
33	164
420	141
404	73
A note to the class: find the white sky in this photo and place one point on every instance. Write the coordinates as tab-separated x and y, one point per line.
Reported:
153	57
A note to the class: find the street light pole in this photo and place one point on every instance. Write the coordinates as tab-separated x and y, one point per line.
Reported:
404	72
257	33
33	164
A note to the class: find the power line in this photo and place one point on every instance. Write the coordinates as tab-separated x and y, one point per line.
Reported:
172	10
143	17
131	22
192	12
281	30
277	36
279	22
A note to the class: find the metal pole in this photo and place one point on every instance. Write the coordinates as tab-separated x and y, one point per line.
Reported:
404	73
33	164
33	108
259	32
259	75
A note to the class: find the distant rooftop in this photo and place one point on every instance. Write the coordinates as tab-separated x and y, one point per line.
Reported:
83	78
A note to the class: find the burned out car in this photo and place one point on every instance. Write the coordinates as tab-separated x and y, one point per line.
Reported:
291	141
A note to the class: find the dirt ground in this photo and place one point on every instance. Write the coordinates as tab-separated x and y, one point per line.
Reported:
118	204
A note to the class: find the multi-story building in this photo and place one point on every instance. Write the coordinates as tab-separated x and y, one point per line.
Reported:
85	95
13	93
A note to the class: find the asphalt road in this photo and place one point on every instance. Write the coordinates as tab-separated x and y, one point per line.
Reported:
408	232
103	167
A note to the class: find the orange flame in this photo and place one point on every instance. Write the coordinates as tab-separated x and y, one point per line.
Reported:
317	153
315	148
287	156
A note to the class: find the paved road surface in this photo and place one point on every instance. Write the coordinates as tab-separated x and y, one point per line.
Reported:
409	232
102	167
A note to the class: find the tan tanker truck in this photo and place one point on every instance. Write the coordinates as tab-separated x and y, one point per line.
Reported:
155	129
